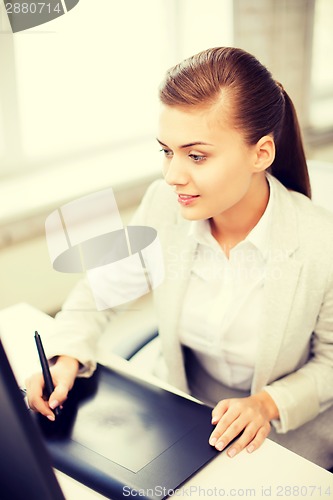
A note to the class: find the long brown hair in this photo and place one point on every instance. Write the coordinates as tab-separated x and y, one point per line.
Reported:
260	106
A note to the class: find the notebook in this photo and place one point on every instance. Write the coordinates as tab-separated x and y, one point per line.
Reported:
122	436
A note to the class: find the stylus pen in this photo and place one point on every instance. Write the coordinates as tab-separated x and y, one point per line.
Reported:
46	370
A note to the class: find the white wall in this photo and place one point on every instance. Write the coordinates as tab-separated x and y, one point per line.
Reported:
27	276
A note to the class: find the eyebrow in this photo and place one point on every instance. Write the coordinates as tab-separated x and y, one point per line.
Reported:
189	145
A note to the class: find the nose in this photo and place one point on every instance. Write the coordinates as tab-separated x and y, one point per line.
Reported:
175	172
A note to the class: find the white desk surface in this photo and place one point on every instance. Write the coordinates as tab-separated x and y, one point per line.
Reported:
272	471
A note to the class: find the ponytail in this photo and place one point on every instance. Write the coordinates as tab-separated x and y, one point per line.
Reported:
290	166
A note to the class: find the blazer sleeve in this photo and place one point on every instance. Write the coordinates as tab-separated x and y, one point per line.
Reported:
302	395
79	324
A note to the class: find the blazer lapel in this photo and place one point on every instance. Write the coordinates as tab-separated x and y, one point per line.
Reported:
279	293
281	282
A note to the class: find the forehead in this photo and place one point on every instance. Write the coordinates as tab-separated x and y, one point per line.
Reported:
178	125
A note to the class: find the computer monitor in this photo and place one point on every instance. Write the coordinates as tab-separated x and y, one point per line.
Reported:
25	470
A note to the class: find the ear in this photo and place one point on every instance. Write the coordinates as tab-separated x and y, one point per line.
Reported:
264	153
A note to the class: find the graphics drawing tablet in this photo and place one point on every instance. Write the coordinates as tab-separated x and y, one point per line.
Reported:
120	435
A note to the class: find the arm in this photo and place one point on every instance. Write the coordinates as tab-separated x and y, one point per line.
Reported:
72	345
302	395
79	324
288	402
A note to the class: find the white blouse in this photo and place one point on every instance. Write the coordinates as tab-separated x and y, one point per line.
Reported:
223	302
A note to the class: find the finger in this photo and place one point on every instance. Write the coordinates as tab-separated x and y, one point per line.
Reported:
36	398
224	423
35	387
42	407
59	395
230	433
245	438
219	410
260	437
37	403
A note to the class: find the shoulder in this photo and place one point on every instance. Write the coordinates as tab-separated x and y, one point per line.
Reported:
311	223
304	207
304	203
311	215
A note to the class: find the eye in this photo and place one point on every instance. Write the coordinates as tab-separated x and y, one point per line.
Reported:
167	152
197	158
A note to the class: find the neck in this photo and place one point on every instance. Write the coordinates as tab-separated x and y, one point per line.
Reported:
233	225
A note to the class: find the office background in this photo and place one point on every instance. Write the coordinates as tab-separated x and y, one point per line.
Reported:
78	107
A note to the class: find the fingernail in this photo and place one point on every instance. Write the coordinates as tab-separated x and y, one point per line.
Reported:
250	448
212	441
220	445
51	417
214	420
54	403
232	452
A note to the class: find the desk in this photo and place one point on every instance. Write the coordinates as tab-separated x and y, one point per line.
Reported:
272	471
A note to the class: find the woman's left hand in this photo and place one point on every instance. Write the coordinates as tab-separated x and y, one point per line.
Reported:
249	418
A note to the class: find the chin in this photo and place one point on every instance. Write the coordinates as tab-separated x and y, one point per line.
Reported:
192	215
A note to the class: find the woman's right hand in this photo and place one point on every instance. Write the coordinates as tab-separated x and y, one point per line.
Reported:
63	373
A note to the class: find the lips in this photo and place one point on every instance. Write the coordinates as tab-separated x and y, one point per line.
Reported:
187	199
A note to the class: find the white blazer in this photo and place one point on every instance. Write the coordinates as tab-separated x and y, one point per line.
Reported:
295	349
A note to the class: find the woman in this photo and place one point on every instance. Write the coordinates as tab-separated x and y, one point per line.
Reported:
246	308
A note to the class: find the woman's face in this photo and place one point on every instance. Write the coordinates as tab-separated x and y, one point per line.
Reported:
206	161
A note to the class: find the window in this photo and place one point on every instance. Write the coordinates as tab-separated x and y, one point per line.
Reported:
78	95
84	85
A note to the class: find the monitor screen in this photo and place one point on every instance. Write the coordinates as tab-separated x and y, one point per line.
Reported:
26	470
